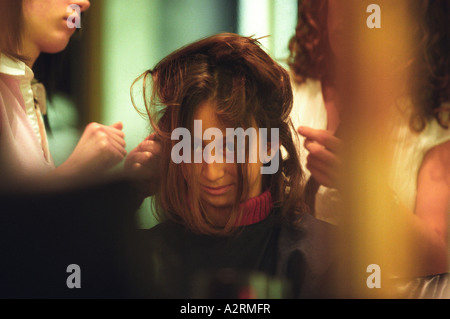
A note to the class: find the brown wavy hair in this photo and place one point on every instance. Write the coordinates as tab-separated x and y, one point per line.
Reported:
309	48
431	64
11	25
311	57
247	88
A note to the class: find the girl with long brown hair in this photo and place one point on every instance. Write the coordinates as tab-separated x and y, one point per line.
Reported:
226	214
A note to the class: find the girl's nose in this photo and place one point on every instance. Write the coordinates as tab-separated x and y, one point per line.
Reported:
213	172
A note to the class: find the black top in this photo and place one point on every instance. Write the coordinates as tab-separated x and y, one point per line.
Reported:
188	265
43	231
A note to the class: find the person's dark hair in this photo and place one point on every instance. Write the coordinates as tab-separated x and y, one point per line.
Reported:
309	48
248	89
11	25
431	64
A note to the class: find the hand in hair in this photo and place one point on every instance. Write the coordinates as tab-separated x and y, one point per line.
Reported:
100	148
323	161
142	165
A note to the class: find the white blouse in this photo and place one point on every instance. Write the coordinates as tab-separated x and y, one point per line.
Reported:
309	110
23	141
410	149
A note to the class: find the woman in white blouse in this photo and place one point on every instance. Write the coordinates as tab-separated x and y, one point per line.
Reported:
28	28
420	175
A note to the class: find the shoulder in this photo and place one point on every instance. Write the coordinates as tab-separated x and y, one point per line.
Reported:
307	256
434	164
308	233
434	135
163	236
437	162
159	230
441	151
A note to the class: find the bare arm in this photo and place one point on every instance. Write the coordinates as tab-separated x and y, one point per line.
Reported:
428	223
432	204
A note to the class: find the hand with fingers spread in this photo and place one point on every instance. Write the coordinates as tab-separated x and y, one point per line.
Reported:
323	161
100	148
142	165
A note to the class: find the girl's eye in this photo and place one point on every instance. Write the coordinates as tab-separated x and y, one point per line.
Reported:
198	146
229	147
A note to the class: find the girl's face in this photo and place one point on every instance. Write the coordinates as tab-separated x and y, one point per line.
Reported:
338	32
218	182
45	25
335	26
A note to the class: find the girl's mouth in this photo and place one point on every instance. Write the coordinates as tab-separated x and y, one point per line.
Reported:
216	191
